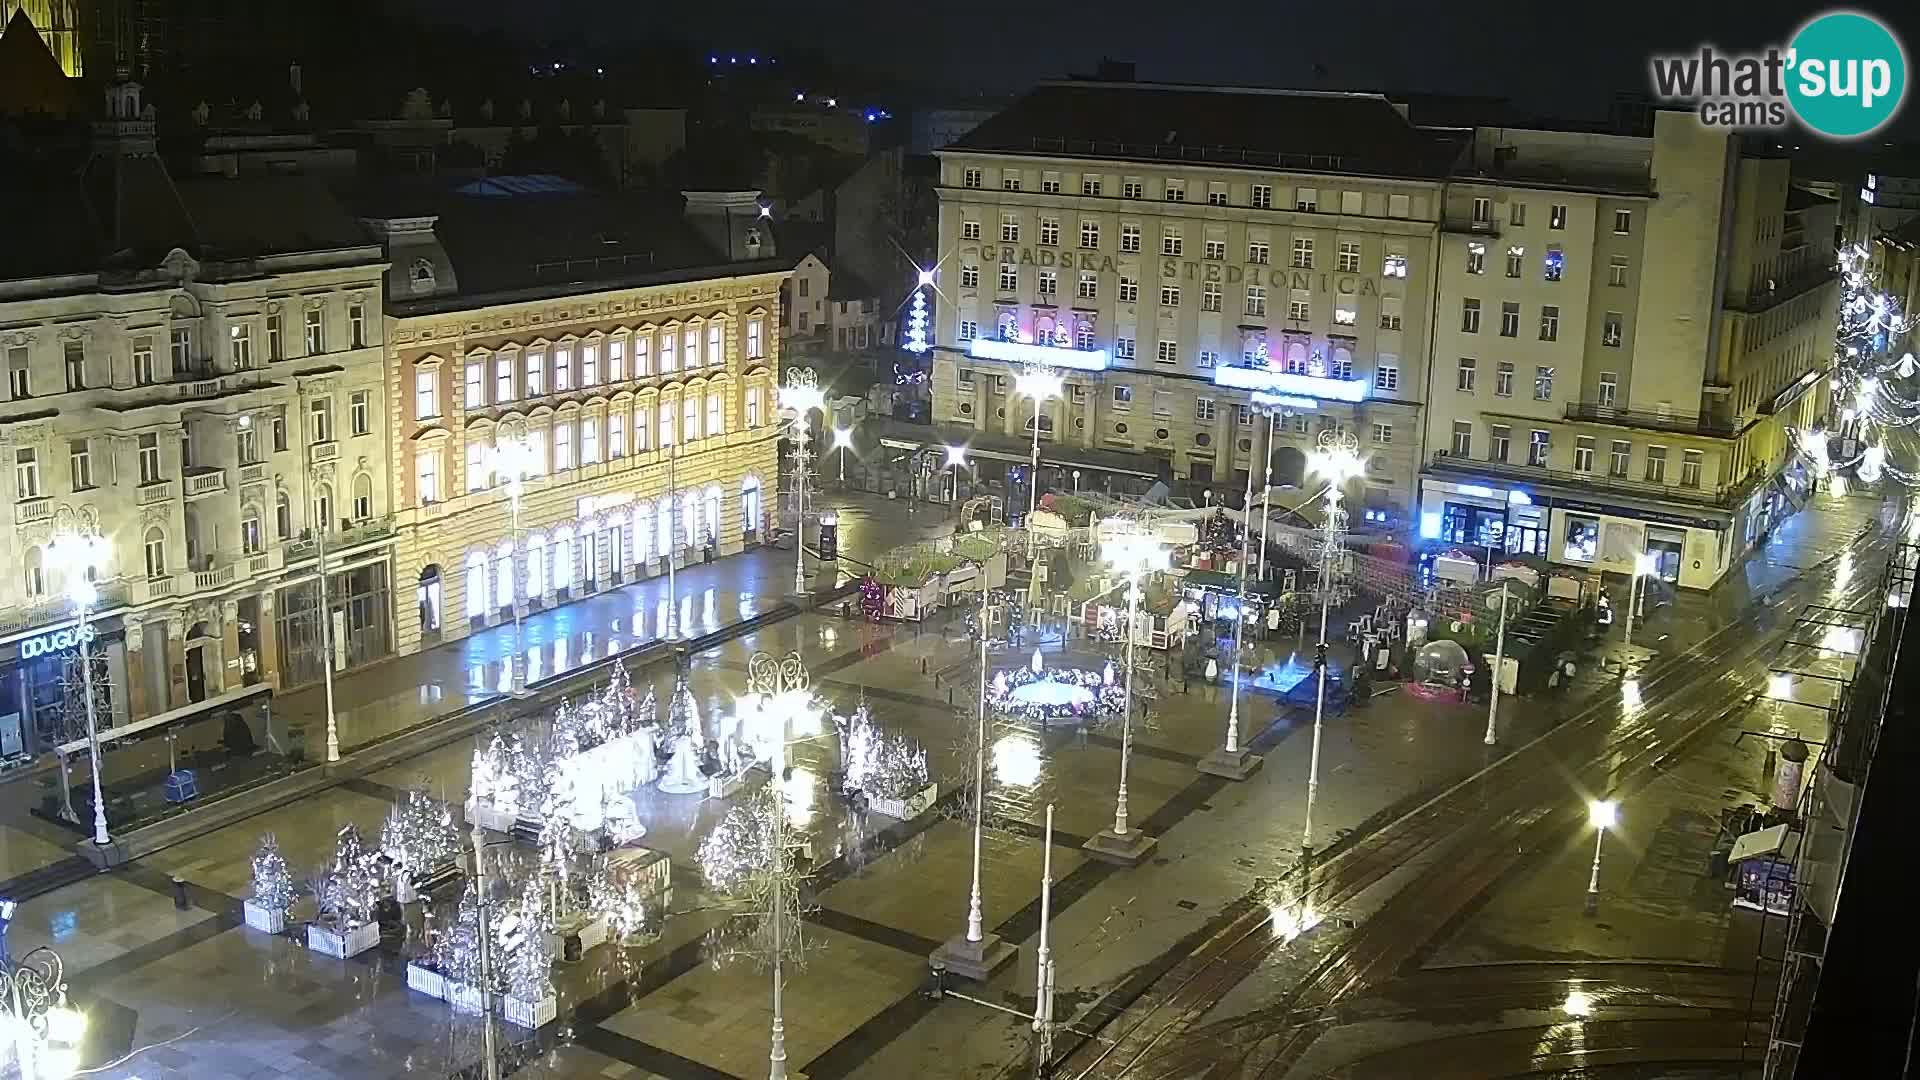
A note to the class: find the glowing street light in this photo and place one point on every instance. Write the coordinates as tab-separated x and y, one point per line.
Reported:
1135	553
46	1030
956	460
1040	384
843	441
1644	564
513	458
1337	460
1232	761
801	395
81	553
1602	813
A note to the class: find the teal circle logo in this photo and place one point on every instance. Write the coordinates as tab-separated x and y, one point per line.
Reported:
1846	76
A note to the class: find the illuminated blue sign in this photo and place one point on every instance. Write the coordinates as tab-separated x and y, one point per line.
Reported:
55	641
1283	382
1020	352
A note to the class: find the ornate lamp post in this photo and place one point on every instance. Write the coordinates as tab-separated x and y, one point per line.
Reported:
1276	410
1136	554
46	1030
1040	384
843	441
81	553
1233	761
512	457
1337	461
801	394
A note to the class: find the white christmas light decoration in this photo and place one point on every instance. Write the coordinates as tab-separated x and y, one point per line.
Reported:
917	323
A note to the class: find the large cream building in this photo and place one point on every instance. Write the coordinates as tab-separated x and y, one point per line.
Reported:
1174	251
1627	329
628	342
194	370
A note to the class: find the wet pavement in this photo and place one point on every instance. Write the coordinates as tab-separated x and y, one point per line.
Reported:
1390	823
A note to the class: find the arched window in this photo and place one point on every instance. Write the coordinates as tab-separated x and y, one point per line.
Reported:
643	535
664	527
36	574
690	513
323	506
252	540
156	553
503	576
562	551
1296	358
362	497
420	275
713	515
476	584
750	505
282	516
536	556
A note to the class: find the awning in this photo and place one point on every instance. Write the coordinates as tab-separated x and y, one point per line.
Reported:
1760	844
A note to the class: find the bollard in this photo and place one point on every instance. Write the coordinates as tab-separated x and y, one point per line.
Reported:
949	695
923	665
180	894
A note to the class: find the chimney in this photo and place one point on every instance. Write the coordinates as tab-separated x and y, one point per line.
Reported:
293	79
734	222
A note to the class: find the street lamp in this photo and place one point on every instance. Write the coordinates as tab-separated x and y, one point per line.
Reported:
1643	565
1602	813
81	552
318	473
843	441
512	456
956	460
801	394
46	1030
1337	460
1232	761
1076	481
1135	553
1274	410
1499	662
1040	384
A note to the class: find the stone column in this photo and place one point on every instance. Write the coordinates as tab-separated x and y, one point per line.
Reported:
139	707
269	634
231	676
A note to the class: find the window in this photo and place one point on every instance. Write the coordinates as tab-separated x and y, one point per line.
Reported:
1216	194
1214	250
19	378
1009	229
279	426
1123	348
1469	316
316	331
426	476
276	339
1618	458
502	379
1258	253
1656	464
563	362
1176	191
690	418
1162	405
1583	539
1010	181
969	329
1386	373
1617	270
1344	315
1122	397
1210	296
180	348
1516	213
1501	440
239	347
1169	296
1352	202
1089	234
1088	287
1394	264
320	420
1383	434
1610	331
155	548
1555	264
1303	252
1306	199
643	427
1260	196
1542	383
589	440
1009	278
26	474
1583	453
756	340
426	393
1539	448
643	351
1207	358
1609	387
1390	312
1129	290
1516	260
1557	217
477	478
251	539
148	456
1503	379
1256	300
1622	222
1349	258
1129	238
617	354
590	357
360	412
1509	319
562	445
1299	305
80	462
357	324
616	434
1464	378
536	380
1049	284
1549	323
1050	183
362	497
1483	211
1132	188
1090	185
970	178
1203	409
1476	258
1462	438
1690	461
1169	352
1170	241
1083	337
1050	232
969	230
476	384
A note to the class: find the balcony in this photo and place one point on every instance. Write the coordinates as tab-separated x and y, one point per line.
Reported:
1723	497
1469	226
202	481
339	541
1716	427
29	511
213	577
255	473
324	451
158	491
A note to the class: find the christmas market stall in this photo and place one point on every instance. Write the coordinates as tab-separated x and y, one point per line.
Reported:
913	582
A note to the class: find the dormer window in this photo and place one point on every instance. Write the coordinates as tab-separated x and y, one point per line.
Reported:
421	275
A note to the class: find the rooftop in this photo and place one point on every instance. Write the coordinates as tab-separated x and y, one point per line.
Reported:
1318	132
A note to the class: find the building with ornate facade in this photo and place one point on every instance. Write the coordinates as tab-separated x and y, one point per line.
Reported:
628	343
194	370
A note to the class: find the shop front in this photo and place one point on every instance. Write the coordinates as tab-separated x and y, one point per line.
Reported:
41	701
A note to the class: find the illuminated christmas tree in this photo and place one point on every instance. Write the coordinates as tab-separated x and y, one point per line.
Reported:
917	323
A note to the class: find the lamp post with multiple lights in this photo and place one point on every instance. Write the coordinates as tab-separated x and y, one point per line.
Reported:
46	1031
1040	384
800	395
81	553
1136	553
1337	460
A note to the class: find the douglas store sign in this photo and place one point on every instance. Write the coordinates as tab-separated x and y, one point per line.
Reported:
55	641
